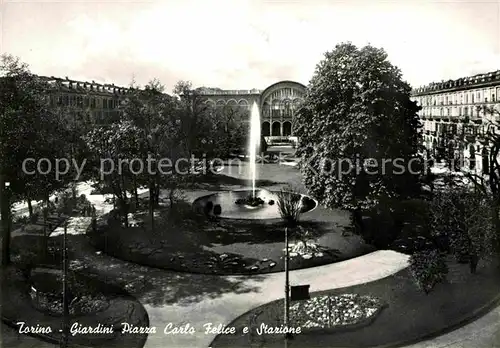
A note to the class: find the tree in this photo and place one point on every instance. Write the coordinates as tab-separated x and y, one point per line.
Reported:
194	119
227	132
113	143
162	125
428	268
489	184
28	129
463	217
358	112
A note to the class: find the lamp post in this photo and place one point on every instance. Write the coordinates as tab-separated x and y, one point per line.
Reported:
65	326
5	219
287	287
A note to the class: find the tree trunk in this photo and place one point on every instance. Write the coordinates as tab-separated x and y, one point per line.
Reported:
152	205
474	260
171	198
157	197
136	195
496	222
30	207
122	201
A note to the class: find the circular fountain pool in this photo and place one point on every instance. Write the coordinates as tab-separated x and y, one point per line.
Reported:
233	204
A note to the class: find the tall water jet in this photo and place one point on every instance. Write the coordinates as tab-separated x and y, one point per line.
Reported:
254	142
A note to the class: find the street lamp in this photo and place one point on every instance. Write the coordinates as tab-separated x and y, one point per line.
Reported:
289	205
65	324
5	219
287	286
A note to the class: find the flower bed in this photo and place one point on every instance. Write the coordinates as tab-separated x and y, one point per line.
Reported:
83	305
46	295
334	311
306	250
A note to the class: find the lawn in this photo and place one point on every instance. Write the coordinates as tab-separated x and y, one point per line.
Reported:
408	314
186	241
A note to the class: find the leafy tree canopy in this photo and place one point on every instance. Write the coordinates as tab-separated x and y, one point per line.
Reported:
358	107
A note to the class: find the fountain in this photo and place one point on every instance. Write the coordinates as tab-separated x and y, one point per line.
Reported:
249	204
254	143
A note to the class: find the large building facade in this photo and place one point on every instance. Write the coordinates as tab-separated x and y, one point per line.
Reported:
87	101
278	104
456	115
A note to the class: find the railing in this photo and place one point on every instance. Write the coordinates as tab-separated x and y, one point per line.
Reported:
231	92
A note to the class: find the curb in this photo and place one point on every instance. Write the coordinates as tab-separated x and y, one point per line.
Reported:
475	315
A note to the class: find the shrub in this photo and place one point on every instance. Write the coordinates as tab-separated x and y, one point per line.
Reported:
428	268
34	217
379	228
22	220
462	220
217	209
82	199
207	209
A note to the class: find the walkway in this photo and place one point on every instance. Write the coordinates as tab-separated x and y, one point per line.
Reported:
263	289
482	333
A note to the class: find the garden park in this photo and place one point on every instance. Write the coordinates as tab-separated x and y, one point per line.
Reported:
389	259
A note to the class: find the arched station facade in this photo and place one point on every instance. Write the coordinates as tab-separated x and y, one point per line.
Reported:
278	104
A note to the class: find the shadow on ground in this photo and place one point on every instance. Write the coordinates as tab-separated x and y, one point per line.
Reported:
152	286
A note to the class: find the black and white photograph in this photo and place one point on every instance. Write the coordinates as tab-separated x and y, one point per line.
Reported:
250	173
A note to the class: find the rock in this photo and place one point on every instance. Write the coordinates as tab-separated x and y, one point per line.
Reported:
254	268
265	260
272	264
98	252
319	254
292	254
306	256
223	257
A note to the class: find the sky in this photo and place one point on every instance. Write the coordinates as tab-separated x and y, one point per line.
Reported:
238	44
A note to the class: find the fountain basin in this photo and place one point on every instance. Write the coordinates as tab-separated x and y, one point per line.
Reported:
231	210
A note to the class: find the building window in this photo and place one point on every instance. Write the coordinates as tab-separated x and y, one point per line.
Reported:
466	111
472	98
449	112
466	99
